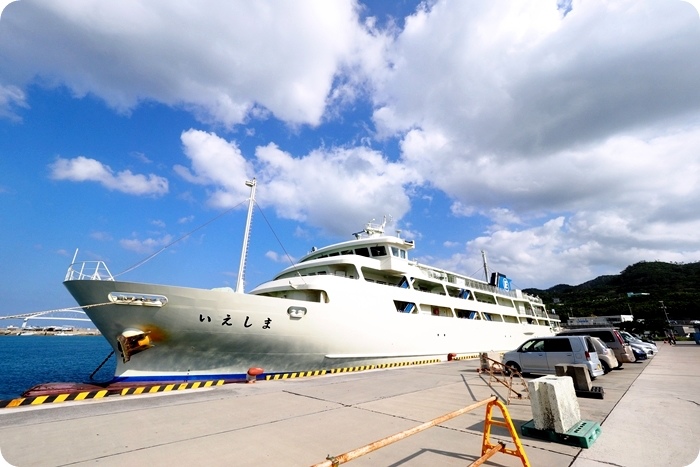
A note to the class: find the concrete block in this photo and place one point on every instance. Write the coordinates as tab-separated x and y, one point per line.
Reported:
554	403
578	372
484	363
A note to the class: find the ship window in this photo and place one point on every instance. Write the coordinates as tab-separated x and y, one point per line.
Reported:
485	298
399	253
441	311
346	252
378	250
404	307
362	252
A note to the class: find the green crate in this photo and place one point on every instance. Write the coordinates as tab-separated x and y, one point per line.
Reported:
583	434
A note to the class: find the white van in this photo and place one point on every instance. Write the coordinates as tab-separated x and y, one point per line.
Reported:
541	355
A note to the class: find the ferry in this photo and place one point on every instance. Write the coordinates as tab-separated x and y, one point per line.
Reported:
362	303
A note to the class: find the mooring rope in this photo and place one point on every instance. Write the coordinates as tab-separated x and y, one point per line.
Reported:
145	260
101	364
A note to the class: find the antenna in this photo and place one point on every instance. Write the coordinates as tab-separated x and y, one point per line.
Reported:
244	252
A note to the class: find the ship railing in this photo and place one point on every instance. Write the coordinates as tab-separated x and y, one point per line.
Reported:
89	271
533	298
535	313
462	281
486	287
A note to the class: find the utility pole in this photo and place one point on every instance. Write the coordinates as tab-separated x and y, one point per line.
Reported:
663	307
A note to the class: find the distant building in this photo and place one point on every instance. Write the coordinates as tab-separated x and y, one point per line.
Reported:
598	320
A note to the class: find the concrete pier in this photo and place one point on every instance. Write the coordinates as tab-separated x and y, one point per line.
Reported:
650	416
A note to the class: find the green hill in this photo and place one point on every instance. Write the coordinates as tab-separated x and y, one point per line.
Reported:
643	290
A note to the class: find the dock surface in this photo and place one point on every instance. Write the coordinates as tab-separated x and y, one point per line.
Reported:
650	416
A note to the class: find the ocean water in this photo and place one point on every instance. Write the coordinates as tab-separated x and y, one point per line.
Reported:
26	361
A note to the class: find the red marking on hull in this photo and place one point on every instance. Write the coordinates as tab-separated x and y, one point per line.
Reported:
53	389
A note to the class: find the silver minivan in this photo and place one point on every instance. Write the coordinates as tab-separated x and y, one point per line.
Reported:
611	337
541	355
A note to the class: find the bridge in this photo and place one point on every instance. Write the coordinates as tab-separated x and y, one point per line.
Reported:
61	314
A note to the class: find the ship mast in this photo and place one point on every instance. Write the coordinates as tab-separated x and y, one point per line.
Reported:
486	267
244	251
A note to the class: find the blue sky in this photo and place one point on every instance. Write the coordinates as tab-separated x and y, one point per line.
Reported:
562	139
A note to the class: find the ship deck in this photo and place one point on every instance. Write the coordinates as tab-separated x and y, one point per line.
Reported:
649	416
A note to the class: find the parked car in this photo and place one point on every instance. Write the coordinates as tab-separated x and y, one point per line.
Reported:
541	355
644	338
639	353
650	349
605	354
611	337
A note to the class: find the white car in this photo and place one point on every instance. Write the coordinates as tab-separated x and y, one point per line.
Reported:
605	354
541	355
649	349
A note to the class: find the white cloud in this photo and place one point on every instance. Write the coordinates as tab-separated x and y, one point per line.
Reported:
3	4
280	258
83	169
146	246
101	236
335	189
11	97
574	134
695	4
221	59
216	163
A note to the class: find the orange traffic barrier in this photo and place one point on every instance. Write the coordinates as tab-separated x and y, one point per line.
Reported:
488	450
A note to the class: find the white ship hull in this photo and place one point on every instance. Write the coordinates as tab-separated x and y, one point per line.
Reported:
220	334
360	303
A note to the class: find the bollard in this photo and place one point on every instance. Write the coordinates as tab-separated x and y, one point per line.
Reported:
554	403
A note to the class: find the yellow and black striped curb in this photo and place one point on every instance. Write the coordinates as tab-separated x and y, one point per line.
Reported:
169	387
152	389
301	374
78	396
53	399
466	357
